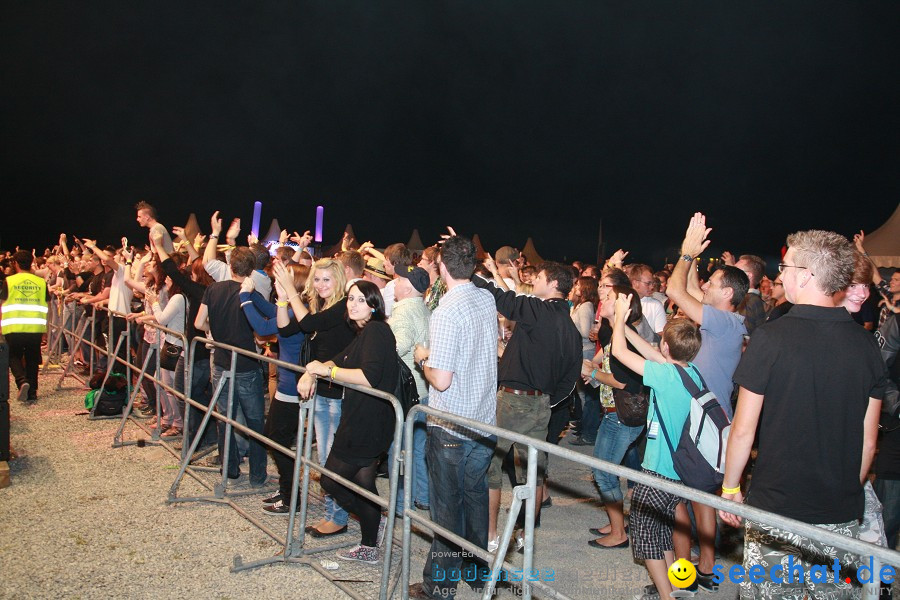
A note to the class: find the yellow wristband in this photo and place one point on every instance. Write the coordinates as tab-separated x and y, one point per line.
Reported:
733	490
333	372
281	304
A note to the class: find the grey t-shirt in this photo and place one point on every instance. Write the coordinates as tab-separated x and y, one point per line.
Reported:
723	339
167	239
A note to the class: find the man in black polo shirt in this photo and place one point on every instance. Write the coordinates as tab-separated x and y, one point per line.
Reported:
220	313
539	368
821	379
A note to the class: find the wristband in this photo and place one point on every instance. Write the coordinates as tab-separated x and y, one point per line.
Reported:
213	236
294	296
333	372
687	258
281	304
734	490
594	372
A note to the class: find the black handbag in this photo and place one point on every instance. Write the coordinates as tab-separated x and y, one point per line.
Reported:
631	408
306	350
168	358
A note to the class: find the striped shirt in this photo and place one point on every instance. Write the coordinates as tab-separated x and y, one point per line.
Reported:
463	335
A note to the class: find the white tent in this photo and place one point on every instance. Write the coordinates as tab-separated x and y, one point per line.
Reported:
883	244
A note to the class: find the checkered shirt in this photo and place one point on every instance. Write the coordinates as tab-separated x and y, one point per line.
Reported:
463	334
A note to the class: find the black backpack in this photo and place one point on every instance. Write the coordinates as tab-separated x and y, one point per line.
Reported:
405	390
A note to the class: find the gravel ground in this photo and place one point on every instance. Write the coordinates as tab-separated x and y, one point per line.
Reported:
85	520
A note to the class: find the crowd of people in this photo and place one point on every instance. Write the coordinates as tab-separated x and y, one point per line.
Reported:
803	365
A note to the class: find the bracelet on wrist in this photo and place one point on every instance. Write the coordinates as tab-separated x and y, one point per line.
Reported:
593	374
333	373
728	490
281	303
213	236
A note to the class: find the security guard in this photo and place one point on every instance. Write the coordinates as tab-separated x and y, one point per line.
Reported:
23	320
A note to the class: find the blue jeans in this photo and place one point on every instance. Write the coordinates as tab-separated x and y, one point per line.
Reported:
613	440
248	394
457	468
327	419
201	393
420	473
591	415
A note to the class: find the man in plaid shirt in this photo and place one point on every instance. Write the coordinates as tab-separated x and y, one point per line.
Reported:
461	369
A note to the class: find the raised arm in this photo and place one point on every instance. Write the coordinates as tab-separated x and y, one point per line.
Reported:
180	236
212	246
619	347
643	346
694	244
303	242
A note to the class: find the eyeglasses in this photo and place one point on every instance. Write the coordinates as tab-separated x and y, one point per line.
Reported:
783	266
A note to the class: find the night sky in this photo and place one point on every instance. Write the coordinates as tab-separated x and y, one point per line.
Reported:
506	119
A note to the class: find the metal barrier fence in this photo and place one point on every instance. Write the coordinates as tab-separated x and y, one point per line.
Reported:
294	550
527	492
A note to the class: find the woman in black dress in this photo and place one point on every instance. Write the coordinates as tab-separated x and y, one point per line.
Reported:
367	423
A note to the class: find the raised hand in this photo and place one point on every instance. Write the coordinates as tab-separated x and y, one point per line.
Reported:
447	236
728	258
617	259
283	236
178	232
252	239
695	241
216	223
623	307
858	240
233	231
490	265
283	276
302	240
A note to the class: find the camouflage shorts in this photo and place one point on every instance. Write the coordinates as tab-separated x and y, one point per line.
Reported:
769	546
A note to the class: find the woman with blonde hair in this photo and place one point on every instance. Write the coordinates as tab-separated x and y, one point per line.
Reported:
320	314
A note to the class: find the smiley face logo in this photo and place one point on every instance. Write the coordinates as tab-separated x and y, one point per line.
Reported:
682	573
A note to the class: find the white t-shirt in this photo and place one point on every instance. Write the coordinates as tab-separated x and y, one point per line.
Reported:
120	294
654	312
387	292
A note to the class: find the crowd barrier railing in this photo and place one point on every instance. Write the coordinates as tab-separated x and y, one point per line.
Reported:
294	550
527	493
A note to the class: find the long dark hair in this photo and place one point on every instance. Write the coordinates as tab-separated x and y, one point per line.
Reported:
374	300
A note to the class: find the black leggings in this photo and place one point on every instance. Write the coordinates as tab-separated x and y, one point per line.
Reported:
368	512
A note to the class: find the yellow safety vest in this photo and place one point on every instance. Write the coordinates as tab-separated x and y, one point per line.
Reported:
25	308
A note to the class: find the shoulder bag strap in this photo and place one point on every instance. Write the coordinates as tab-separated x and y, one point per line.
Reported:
662	425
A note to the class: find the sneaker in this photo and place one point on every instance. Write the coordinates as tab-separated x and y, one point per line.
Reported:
23	393
272	499
381	525
360	553
279	508
493	544
705	582
650	593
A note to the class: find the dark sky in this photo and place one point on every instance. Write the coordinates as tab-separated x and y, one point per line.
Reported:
505	119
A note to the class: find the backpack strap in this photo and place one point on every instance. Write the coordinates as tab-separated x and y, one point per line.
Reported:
663	427
688	383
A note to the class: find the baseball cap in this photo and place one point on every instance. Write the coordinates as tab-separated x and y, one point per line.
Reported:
417	276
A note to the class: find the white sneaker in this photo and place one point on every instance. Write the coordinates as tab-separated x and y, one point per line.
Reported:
494	544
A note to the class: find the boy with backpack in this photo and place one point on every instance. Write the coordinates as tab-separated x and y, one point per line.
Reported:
652	510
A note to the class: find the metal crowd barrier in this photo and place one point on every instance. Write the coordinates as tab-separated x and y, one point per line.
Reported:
294	550
527	492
